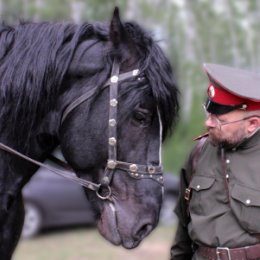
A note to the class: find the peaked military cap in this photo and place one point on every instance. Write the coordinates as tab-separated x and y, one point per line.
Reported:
231	88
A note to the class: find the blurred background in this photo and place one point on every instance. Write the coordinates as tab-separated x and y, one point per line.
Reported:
191	33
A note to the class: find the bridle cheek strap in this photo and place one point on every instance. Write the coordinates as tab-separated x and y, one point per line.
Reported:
135	170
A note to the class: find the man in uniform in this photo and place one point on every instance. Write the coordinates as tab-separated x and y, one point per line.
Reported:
219	202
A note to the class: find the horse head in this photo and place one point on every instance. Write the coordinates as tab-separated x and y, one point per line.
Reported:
113	135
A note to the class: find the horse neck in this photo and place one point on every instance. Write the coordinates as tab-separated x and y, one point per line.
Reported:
41	140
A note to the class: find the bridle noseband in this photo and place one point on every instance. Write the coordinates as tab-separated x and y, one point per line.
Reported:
136	171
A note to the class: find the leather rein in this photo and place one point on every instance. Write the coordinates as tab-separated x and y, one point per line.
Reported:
102	189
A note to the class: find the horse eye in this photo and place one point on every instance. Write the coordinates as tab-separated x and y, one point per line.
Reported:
141	117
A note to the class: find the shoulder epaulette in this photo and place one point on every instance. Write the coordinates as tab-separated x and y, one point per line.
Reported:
201	136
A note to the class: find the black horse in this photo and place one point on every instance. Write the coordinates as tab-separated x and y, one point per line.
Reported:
106	94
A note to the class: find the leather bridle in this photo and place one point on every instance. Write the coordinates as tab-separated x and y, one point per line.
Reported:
136	171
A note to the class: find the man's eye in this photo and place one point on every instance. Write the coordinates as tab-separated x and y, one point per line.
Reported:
221	120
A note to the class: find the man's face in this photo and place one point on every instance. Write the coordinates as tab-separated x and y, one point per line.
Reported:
228	129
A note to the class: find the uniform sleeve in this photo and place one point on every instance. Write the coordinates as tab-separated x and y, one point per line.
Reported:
182	246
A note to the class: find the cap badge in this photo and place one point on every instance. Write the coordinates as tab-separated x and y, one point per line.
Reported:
244	106
211	91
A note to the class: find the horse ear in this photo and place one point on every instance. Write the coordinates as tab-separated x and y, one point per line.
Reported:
117	33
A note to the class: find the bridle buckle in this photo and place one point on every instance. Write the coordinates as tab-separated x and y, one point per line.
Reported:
218	252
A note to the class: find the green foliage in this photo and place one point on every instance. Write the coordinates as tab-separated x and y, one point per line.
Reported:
177	148
14	10
100	9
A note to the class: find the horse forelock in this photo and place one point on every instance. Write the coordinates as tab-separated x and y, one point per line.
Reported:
159	73
164	88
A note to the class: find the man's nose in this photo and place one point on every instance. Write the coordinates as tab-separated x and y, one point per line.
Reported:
209	122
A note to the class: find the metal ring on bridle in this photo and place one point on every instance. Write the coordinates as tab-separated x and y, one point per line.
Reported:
99	191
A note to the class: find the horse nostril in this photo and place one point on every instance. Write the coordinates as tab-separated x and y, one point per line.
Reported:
143	231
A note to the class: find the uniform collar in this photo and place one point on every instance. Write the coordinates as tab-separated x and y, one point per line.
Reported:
249	142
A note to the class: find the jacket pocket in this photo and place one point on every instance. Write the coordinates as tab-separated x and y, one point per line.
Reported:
245	204
201	192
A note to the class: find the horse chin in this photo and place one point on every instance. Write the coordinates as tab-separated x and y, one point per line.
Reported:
107	226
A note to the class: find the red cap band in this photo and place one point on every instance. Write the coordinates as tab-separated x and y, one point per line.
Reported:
223	97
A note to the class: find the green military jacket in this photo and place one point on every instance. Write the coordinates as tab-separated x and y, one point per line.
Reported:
224	208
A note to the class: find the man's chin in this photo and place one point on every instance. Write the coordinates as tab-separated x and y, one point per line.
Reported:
221	143
212	139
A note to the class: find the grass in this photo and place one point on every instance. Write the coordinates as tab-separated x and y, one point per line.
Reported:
87	244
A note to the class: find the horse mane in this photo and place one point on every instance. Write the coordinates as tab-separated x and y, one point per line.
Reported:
35	57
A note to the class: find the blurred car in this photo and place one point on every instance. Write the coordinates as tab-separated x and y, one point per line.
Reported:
171	193
53	201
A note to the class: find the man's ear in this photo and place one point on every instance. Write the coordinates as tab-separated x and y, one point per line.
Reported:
254	124
116	33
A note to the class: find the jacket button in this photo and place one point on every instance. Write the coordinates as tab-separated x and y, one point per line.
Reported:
248	201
